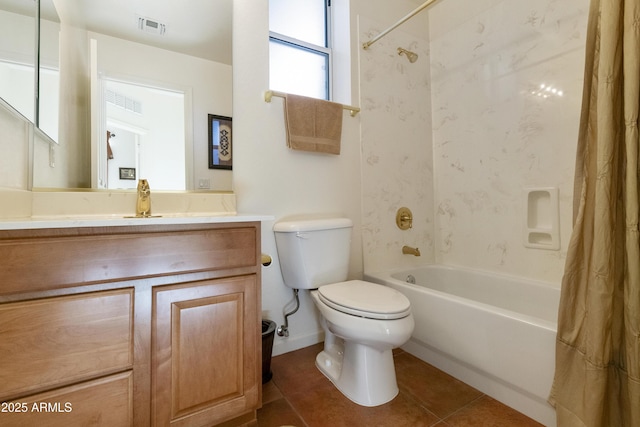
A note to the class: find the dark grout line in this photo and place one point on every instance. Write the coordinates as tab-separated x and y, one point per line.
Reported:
460	409
419	403
293	408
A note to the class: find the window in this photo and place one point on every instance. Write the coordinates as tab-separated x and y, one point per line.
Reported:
299	48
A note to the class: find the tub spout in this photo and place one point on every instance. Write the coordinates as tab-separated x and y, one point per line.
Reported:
408	250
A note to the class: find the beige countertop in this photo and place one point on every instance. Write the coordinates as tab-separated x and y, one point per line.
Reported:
119	220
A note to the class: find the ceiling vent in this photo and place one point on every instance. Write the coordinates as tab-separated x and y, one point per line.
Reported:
123	101
151	25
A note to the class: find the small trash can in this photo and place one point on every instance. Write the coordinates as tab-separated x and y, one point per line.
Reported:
268	332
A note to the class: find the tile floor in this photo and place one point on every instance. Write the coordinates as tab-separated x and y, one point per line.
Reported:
299	395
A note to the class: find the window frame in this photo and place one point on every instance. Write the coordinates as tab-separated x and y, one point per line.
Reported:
326	50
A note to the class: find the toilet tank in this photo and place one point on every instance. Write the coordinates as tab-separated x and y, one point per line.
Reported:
313	252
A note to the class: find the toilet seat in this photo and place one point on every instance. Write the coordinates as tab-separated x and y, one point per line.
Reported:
365	299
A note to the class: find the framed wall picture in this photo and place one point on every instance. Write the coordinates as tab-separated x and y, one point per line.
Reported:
220	142
128	173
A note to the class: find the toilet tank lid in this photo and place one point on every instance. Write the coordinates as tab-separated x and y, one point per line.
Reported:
312	225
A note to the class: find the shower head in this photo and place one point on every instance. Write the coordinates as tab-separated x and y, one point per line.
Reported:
411	56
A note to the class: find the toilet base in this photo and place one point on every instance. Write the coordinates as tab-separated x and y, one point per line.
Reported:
365	375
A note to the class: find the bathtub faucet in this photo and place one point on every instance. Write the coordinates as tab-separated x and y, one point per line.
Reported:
408	250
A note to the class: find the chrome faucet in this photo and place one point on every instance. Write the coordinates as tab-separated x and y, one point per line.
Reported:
143	204
408	250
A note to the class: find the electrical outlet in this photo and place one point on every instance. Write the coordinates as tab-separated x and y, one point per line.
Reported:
204	184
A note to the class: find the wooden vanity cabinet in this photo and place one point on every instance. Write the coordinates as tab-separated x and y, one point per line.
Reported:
203	352
150	325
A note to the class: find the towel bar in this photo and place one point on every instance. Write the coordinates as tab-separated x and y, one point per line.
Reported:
271	93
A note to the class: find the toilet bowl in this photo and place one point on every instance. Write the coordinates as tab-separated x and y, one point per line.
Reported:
357	356
362	321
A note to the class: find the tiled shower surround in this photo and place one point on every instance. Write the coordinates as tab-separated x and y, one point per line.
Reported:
490	108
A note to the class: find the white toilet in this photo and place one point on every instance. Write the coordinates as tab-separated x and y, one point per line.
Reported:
363	322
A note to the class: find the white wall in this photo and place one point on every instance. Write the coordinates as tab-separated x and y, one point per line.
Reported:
15	133
271	179
17	45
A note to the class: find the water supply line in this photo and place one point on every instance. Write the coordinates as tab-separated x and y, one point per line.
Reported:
284	329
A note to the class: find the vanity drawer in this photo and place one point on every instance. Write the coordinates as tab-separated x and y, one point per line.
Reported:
104	402
53	259
56	341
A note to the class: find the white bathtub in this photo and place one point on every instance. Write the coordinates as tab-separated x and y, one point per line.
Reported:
493	332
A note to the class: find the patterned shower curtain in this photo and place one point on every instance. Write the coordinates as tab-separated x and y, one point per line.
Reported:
597	377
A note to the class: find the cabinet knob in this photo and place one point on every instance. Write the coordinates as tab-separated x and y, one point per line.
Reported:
266	260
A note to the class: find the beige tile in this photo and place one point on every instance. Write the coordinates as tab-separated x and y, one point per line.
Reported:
488	412
323	405
296	370
437	391
270	392
278	413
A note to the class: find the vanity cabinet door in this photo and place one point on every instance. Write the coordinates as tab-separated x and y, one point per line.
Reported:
205	352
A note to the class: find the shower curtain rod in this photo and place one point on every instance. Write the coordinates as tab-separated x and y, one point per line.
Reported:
397	24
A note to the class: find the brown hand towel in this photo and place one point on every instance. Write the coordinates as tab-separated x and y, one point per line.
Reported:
313	124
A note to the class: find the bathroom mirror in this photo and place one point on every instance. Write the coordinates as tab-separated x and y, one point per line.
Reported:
91	53
18	55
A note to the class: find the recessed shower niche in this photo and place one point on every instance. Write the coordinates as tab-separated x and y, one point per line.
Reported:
542	218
